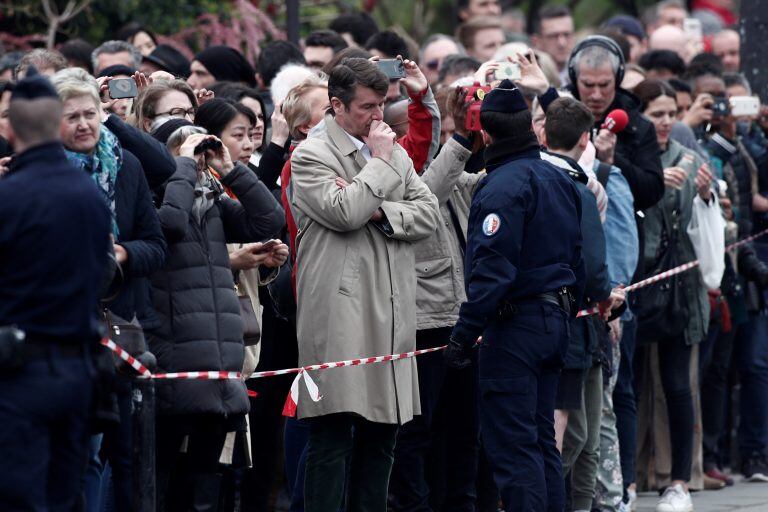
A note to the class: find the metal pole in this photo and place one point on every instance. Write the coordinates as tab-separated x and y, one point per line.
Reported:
144	444
292	20
753	27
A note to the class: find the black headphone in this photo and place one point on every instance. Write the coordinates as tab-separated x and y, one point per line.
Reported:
604	42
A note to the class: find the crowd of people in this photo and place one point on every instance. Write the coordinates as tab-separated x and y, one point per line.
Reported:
361	195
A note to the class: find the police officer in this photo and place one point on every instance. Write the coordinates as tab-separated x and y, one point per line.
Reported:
523	267
54	243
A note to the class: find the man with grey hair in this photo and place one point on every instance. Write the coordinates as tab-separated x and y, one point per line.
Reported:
596	67
434	51
114	53
47	62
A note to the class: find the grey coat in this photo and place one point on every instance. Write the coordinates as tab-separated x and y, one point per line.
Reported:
356	282
696	292
200	326
439	261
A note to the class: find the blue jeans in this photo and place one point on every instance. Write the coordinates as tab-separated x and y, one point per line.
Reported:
625	403
519	365
44	410
752	357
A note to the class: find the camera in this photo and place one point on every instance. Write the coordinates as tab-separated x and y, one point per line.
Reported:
120	88
207	144
720	107
474	97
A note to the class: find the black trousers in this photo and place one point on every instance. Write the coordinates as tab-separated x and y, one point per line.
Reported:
715	362
44	410
675	369
369	446
177	472
449	406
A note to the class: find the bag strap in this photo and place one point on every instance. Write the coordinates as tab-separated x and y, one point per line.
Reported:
603	173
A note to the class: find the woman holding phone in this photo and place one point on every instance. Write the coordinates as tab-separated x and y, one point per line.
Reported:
686	175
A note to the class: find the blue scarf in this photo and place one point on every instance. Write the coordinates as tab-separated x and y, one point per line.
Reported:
103	165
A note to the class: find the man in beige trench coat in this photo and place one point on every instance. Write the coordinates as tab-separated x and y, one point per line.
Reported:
358	204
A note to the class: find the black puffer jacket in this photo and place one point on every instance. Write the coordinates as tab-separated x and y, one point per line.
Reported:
201	328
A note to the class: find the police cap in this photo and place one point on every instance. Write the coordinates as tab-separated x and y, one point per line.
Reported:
33	86
504	98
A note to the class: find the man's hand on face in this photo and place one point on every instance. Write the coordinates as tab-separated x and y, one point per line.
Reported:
605	145
380	140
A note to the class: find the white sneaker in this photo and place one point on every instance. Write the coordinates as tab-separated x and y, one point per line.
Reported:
675	499
632	503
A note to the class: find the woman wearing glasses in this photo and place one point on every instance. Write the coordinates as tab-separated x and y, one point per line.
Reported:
163	100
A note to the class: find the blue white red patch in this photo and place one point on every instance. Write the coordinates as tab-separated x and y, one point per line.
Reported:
491	224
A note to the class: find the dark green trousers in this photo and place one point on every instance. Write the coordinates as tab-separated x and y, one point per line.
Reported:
369	448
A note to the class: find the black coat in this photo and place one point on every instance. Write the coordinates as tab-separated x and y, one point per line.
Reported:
201	328
638	154
157	162
143	240
54	242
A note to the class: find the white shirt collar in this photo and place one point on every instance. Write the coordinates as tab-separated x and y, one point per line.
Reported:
360	145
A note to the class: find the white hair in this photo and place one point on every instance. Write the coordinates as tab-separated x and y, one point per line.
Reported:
286	79
75	82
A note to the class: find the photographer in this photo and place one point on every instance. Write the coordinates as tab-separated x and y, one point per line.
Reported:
201	327
733	162
448	396
140	248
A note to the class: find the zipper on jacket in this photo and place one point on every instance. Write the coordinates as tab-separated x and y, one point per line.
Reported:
215	306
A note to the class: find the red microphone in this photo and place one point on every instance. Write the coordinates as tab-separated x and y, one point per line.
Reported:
616	121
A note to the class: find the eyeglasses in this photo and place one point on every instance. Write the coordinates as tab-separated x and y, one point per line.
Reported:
179	112
433	64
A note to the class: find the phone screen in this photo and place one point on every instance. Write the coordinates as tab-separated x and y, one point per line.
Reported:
120	88
393	68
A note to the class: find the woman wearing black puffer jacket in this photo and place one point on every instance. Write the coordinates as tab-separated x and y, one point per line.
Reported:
201	327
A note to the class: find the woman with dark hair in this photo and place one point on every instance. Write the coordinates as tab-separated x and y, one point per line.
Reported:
139	36
267	161
686	175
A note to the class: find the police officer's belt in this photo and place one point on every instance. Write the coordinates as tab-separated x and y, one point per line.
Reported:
561	298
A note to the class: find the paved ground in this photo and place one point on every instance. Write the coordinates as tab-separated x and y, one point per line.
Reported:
742	497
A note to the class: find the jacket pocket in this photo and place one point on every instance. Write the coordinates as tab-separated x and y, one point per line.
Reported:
434	286
350	273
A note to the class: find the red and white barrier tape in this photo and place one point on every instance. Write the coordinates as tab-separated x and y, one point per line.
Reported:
302	373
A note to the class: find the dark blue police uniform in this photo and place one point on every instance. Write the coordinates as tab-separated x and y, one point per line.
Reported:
54	242
523	249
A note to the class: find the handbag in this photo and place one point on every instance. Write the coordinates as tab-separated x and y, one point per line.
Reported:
251	327
661	308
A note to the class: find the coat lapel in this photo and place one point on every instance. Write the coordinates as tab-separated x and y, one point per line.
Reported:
341	140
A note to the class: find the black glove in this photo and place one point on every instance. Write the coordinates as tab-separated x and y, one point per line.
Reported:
458	353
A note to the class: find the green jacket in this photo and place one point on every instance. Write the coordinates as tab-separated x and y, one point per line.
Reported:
664	213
